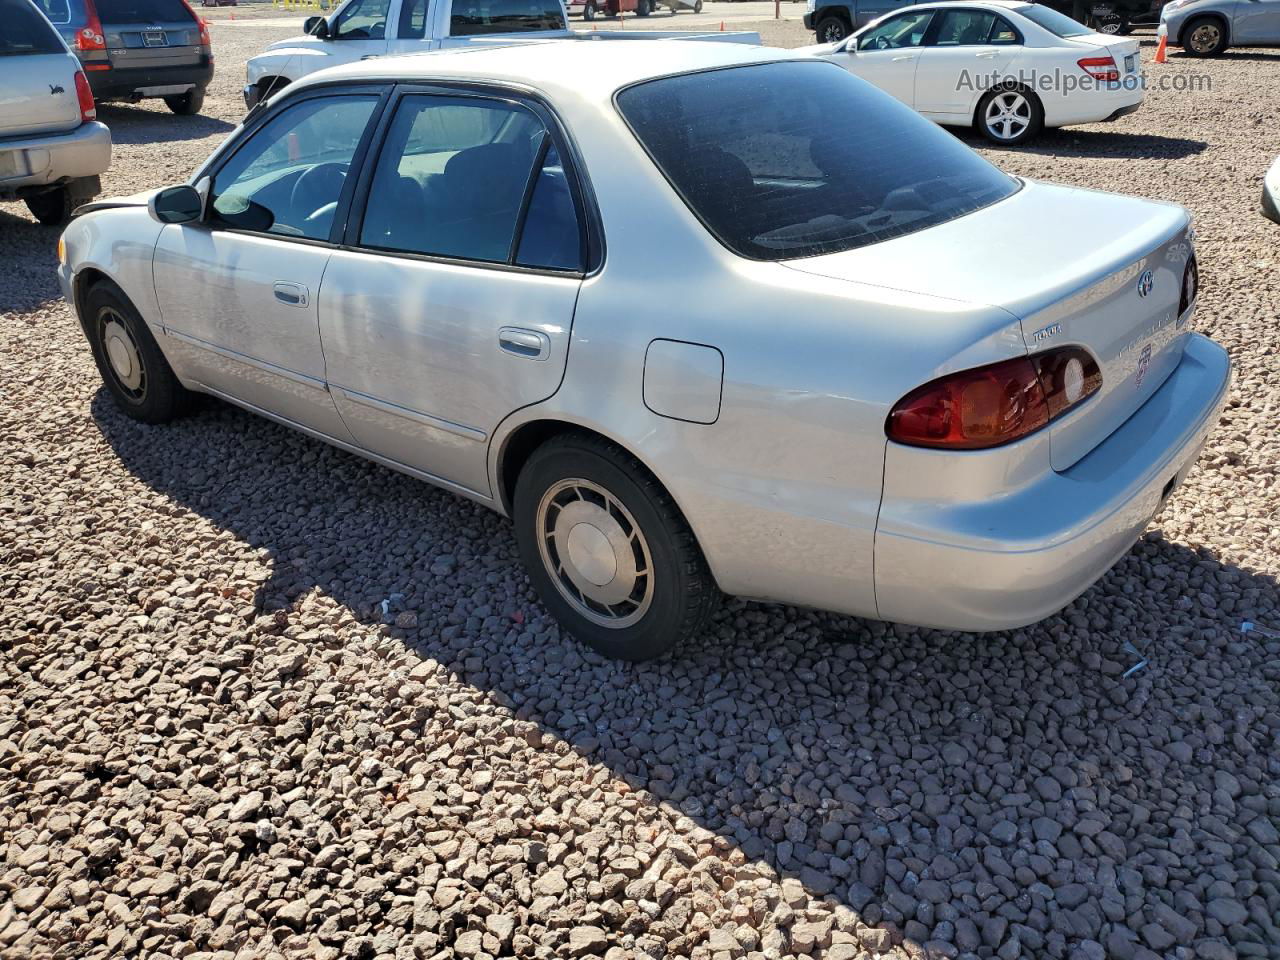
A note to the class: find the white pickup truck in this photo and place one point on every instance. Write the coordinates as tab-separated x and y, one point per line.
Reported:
359	29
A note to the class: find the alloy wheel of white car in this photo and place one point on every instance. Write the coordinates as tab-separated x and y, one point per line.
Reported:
1009	116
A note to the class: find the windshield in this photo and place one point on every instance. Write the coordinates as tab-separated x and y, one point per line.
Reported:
757	155
1056	23
24	31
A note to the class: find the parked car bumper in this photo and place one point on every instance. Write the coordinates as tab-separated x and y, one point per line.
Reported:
48	159
1003	563
809	22
1094	105
125	84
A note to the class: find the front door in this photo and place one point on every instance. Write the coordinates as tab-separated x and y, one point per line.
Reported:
238	289
886	55
1256	21
452	304
966	53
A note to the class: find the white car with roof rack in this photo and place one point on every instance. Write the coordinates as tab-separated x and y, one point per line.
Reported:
687	332
1007	68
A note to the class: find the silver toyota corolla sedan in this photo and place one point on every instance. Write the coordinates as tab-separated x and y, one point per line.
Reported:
720	319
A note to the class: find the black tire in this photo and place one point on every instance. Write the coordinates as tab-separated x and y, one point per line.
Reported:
831	30
1205	37
1113	25
148	391
1031	119
666	607
589	11
642	8
697	6
53	207
186	104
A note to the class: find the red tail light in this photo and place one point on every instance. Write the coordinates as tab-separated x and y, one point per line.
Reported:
995	404
88	110
201	22
91	36
1100	68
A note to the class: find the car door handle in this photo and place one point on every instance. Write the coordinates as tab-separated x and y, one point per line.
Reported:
529	344
293	294
989	55
907	56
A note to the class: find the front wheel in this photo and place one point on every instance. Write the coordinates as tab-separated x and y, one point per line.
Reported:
186	104
1009	117
1205	37
832	30
642	8
697	6
589	11
129	360
608	551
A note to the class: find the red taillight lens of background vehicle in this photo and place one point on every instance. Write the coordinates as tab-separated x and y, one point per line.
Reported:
996	404
91	36
88	109
1190	285
1100	68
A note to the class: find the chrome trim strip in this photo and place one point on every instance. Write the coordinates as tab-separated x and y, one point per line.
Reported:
448	426
248	361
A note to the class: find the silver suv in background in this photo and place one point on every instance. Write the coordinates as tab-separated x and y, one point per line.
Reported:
1205	28
52	148
134	49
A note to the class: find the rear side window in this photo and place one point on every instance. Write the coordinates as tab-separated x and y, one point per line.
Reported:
753	152
58	11
24	31
413	20
454	178
143	11
1056	23
470	17
964	28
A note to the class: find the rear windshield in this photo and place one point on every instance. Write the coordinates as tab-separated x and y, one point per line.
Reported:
471	17
1053	21
143	11
800	158
24	31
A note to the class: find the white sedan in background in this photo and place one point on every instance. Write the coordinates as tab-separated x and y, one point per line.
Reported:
1005	67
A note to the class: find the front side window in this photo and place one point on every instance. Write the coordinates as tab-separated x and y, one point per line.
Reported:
471	17
288	176
753	152
907	30
24	31
413	20
362	20
964	28
452	178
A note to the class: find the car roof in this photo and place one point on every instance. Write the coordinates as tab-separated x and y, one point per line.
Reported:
580	67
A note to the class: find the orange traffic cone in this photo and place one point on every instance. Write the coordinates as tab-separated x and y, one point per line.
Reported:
1160	48
722	26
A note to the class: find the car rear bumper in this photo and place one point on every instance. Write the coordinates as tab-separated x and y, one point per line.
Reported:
47	159
131	82
1003	563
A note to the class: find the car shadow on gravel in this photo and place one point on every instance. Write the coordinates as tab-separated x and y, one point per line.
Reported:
28	260
961	792
140	124
1076	142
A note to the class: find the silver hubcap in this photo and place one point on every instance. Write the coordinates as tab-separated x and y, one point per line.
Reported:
1109	27
122	352
1205	37
595	552
1008	114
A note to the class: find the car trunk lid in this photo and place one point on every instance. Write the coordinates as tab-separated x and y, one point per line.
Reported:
1124	50
1071	265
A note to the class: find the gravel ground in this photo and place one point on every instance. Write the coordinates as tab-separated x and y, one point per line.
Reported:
261	699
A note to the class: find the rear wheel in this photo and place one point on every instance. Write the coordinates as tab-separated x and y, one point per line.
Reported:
589	11
1205	37
51	207
642	8
132	367
1112	24
831	30
186	104
1009	117
697	6
608	551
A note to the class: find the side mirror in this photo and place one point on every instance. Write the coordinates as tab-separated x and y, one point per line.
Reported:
1271	193
180	204
316	27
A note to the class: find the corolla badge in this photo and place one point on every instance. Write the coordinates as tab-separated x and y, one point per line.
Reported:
1144	361
1146	280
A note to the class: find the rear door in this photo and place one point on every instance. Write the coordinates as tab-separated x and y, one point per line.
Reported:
37	77
451	303
886	54
150	34
966	53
